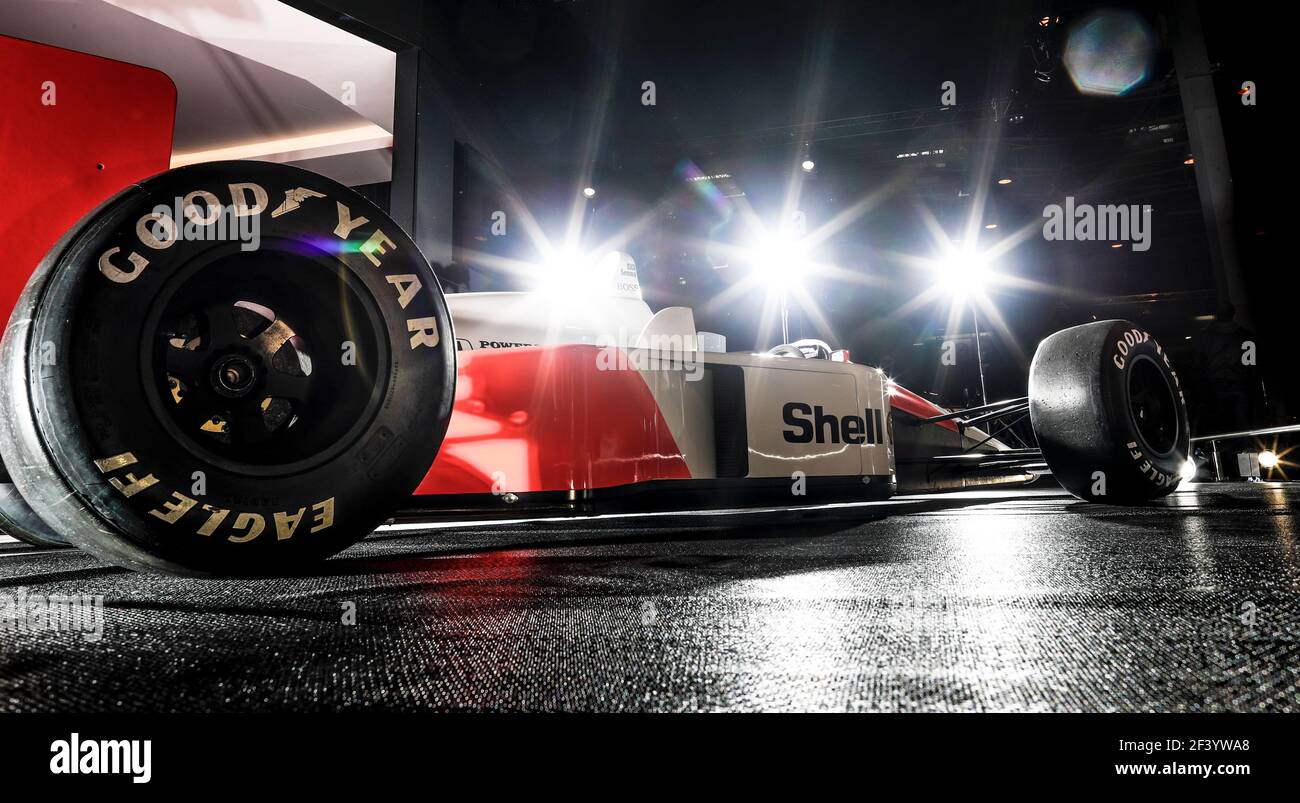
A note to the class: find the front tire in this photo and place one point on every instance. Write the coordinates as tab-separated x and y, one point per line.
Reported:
187	404
1108	412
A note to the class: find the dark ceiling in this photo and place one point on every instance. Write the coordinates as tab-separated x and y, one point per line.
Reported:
550	97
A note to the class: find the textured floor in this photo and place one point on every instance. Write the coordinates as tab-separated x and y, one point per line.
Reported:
994	601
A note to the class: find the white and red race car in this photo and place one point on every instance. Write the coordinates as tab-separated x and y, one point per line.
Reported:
238	367
584	398
183	404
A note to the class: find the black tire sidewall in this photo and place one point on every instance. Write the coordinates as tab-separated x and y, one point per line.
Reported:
1081	413
94	404
19	520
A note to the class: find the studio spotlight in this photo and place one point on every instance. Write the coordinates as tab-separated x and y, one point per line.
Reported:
808	165
778	265
568	278
962	274
778	262
1004	181
589	192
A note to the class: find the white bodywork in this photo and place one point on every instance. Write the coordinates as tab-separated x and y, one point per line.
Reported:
601	307
666	349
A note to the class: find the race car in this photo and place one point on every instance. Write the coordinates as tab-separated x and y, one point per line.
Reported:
584	398
242	367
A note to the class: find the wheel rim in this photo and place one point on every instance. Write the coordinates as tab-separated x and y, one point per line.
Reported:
265	362
1152	406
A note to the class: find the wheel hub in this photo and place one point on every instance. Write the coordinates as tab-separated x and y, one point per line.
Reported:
1152	405
233	376
242	359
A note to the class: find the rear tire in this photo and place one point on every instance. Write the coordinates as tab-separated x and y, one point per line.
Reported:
1109	413
19	520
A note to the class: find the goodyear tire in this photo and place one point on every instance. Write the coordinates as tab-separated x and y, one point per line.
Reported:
184	401
1109	413
19	520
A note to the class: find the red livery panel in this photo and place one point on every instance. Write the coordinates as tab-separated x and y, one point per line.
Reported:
75	130
900	398
547	419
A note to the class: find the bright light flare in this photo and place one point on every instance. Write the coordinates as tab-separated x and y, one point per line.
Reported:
562	273
567	278
779	262
1273	460
808	165
1109	53
1188	472
963	274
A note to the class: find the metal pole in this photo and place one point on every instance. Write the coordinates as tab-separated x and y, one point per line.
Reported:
979	354
785	319
1249	433
1205	135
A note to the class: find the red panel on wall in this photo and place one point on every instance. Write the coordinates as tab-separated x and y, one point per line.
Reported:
74	130
547	419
